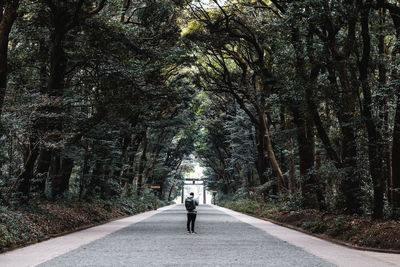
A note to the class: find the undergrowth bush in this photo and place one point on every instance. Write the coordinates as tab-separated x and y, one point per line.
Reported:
252	206
14	228
292	202
316	227
244	205
342	227
36	220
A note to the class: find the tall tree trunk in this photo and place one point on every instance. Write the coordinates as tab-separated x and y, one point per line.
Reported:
27	174
322	134
170	192
8	14
374	138
383	122
130	172
395	190
43	161
271	156
262	162
306	143
396	131
95	180
142	164
305	129
125	143
266	143
55	89
59	174
154	155
266	155
292	172
340	69
84	173
42	168
350	184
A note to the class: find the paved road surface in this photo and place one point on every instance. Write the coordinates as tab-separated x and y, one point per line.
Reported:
224	238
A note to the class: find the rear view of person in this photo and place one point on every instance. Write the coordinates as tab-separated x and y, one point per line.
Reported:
190	204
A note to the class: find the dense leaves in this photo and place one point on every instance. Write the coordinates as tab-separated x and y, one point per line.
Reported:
309	89
98	105
295	102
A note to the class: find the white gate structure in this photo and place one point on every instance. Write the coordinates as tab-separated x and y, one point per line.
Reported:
195	185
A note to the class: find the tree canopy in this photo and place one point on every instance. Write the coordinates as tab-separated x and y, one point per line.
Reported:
282	101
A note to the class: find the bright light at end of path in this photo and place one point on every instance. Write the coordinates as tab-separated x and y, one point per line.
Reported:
198	189
197	173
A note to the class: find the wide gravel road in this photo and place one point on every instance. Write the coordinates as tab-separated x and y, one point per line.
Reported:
159	238
162	240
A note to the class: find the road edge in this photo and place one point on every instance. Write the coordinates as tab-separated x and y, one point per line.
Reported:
18	254
323	237
80	228
330	251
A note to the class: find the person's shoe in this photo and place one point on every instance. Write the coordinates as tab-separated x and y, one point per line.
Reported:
193	232
189	232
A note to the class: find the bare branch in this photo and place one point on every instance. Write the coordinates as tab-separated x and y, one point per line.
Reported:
98	8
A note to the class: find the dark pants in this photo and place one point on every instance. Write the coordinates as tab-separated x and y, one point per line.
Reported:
190	221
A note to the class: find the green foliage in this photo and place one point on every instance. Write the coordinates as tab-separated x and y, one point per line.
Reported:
15	228
316	227
292	202
126	84
272	101
249	206
325	129
246	206
342	226
42	219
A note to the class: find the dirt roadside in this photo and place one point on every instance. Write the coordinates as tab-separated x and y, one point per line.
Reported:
352	231
42	220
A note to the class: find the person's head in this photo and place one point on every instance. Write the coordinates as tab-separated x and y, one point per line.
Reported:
192	194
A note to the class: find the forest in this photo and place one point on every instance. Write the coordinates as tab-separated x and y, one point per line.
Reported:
290	103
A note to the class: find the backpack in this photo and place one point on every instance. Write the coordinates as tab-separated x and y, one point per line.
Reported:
189	204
